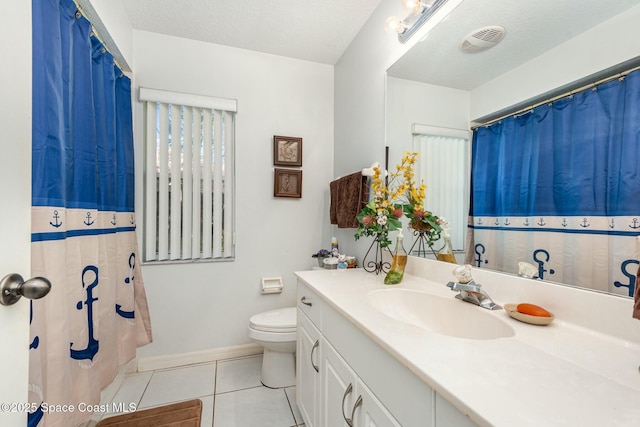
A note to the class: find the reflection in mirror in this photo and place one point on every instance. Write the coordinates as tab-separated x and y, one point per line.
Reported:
440	151
549	49
558	186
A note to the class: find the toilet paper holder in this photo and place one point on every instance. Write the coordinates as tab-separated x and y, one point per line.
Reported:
272	285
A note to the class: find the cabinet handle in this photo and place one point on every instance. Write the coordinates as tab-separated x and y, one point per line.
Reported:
349	421
305	302
315	345
353	411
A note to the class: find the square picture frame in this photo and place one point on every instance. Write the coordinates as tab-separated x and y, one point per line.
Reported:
287	183
287	151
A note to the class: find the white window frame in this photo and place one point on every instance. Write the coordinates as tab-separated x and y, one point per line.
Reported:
197	222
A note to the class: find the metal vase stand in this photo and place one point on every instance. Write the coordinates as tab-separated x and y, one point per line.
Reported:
376	265
423	243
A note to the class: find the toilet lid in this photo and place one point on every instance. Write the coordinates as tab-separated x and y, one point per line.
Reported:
280	320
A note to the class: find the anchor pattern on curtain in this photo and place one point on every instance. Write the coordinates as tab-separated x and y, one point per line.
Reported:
559	187
83	220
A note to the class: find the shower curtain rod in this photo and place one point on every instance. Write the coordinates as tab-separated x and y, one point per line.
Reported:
94	31
619	75
96	35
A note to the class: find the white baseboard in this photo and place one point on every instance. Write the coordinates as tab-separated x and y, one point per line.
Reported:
204	356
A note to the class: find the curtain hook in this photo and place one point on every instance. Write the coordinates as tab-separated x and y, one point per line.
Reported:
78	14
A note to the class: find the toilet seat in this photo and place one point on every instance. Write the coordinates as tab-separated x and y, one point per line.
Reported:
282	320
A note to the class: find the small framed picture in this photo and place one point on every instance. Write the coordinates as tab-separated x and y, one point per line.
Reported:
287	183
287	151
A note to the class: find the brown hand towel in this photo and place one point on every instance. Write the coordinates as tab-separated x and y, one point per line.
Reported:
636	297
333	207
349	195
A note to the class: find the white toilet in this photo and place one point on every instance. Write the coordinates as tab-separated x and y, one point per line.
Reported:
275	330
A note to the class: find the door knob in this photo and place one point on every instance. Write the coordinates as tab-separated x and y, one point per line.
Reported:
13	286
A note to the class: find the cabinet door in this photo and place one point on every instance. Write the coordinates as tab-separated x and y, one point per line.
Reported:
338	388
308	371
371	413
449	415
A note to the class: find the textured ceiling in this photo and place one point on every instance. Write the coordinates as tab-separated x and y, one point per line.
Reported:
313	30
532	27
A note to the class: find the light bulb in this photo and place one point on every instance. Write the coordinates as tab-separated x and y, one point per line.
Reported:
416	6
411	6
394	24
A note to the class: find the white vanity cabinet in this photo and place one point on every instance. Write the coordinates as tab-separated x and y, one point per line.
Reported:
308	370
329	390
345	399
308	348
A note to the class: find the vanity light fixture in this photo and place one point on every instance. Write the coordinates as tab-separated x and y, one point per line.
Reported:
418	12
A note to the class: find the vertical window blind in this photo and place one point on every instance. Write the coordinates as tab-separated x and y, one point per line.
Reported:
188	177
443	164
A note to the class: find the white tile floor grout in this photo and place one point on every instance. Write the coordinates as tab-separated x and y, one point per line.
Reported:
231	393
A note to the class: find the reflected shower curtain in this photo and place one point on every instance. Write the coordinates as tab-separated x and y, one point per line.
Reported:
559	188
83	219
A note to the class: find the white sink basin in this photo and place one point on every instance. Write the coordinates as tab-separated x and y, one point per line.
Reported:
446	316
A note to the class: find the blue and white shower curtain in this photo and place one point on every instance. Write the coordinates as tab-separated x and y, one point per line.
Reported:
559	187
83	219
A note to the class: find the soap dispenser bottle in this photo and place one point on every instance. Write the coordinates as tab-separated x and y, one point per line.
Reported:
396	273
446	253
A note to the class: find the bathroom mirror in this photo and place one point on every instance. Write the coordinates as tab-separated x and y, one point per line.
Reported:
437	84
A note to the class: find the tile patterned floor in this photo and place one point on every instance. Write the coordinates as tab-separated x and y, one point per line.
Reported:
230	390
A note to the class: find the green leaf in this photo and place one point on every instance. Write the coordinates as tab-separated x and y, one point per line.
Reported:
394	224
408	210
372	204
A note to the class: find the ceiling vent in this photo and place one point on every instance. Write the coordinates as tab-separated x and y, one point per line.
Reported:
482	39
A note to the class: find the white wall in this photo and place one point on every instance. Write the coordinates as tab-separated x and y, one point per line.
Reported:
208	305
411	102
608	44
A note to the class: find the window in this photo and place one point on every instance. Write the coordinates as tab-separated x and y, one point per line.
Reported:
188	176
443	164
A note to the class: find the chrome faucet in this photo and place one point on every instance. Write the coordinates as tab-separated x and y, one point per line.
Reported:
472	292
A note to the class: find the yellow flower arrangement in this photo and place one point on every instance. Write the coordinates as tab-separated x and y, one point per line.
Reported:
382	214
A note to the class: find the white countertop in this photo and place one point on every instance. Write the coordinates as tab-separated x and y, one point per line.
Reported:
562	374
